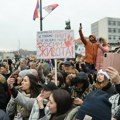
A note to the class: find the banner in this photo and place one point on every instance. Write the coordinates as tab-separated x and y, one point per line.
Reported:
55	44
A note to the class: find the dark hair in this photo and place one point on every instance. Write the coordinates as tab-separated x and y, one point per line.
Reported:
60	79
34	87
82	77
63	100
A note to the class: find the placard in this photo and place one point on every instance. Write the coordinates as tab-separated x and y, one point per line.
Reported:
55	44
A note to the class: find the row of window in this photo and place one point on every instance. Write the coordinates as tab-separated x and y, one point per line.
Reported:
117	38
114	30
117	23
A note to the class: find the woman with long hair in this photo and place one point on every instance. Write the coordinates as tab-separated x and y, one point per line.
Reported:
29	87
103	47
59	104
103	82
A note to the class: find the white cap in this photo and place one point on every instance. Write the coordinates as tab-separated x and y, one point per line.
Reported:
104	73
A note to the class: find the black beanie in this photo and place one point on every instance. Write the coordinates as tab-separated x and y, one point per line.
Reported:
95	105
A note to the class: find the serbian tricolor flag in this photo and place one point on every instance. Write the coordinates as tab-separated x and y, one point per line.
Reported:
36	11
50	8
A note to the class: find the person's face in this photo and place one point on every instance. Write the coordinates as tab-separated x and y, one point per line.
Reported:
19	80
3	70
73	75
92	39
79	85
52	105
32	65
45	94
25	83
100	77
67	68
22	64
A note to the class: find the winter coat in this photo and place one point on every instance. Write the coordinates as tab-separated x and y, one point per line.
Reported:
90	49
35	114
100	56
72	114
18	110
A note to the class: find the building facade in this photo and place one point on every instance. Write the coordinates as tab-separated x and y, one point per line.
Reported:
108	28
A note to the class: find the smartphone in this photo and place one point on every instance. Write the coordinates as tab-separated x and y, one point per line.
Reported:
80	24
111	60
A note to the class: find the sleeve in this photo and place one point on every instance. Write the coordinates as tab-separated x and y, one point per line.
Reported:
117	115
83	39
25	101
11	107
117	87
42	113
14	92
104	48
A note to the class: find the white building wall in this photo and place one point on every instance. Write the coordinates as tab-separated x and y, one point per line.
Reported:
103	28
106	27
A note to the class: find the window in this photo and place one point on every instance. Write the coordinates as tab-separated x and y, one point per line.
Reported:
109	37
109	30
114	37
109	22
114	23
118	23
114	30
118	30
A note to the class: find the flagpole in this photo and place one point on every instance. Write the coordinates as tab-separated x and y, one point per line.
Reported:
41	25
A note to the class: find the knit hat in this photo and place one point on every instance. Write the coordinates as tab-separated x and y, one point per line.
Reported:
67	63
80	78
33	72
93	35
23	73
95	105
46	68
104	73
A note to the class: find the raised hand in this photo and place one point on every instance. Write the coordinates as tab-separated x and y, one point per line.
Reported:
40	101
10	82
114	75
80	27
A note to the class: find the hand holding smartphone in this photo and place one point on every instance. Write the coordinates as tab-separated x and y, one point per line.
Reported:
80	27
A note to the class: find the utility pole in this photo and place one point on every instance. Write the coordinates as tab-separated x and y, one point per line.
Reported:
41	24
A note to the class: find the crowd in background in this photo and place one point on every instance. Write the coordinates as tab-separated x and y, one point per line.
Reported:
84	91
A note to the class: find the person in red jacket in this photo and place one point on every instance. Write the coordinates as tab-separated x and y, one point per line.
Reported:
91	47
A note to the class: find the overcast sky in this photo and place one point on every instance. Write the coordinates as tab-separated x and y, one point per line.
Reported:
17	27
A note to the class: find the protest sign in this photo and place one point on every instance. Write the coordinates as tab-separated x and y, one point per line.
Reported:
55	44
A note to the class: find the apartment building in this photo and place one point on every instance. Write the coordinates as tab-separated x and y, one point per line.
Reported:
108	28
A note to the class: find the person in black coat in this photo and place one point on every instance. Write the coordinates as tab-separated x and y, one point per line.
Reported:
4	97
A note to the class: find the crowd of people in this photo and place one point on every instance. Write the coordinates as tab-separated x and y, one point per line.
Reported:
84	91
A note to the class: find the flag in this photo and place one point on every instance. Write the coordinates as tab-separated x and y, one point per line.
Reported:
36	11
50	8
